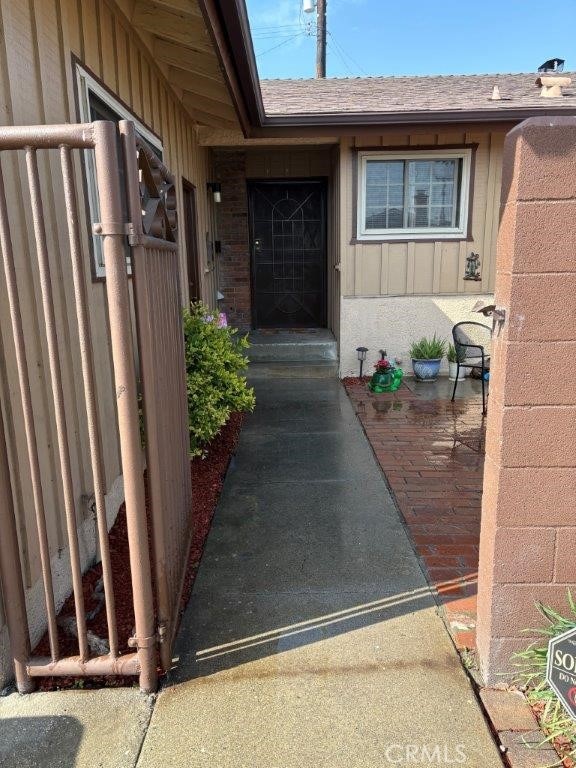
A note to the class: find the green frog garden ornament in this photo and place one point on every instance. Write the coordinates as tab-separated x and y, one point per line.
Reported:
386	377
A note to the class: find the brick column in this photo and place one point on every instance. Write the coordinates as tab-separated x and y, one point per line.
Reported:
528	536
234	260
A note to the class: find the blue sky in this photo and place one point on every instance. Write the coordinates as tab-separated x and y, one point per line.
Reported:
387	37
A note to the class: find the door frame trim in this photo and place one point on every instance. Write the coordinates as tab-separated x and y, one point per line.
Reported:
322	181
188	187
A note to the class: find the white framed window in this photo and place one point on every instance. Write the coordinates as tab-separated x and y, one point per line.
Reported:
97	103
415	195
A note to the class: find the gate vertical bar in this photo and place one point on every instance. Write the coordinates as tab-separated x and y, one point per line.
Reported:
112	229
31	442
58	394
89	392
11	576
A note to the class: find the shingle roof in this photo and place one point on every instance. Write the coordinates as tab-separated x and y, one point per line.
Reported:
393	95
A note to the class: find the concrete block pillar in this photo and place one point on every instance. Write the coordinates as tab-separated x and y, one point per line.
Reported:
528	535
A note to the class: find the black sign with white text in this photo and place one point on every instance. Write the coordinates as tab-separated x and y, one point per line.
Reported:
561	669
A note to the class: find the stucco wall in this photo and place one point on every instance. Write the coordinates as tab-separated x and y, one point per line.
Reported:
393	322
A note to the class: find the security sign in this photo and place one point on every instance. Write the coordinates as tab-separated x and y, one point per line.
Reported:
561	669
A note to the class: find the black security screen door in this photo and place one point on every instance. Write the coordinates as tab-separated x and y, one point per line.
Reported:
288	240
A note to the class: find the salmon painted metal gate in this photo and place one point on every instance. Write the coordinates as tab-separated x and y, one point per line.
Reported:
152	209
160	344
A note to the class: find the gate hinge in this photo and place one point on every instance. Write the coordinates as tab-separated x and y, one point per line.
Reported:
150	642
113	228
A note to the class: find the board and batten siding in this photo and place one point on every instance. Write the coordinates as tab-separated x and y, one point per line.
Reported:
413	268
37	86
286	163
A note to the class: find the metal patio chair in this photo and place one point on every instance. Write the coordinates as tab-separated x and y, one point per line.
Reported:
472	344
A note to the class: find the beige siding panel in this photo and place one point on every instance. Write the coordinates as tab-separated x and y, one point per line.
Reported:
136	101
451	138
54	103
91	35
256	167
436	267
123	54
384	268
108	47
449	269
410	266
22	80
300	163
493	212
367	140
368	266
397	268
394	140
423	278
71	11
346	250
333	278
319	162
423	140
417	267
284	163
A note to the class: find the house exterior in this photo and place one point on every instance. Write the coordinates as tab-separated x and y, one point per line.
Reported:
387	283
345	204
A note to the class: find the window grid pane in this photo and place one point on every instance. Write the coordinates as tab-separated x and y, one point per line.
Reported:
411	194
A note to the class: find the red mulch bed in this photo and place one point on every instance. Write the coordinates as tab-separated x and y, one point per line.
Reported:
207	480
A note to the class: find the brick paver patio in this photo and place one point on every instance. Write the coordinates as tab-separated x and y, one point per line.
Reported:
432	453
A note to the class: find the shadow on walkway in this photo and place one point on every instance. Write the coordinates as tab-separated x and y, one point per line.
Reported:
311	637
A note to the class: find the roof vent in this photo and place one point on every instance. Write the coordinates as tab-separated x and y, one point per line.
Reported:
552	65
495	94
551	85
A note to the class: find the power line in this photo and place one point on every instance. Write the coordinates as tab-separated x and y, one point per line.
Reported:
335	50
268	50
347	55
276	36
294	25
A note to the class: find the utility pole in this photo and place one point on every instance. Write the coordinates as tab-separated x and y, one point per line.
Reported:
321	38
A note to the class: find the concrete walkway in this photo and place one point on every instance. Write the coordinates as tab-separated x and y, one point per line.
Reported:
311	638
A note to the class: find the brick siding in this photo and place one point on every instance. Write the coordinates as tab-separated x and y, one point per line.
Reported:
234	259
528	525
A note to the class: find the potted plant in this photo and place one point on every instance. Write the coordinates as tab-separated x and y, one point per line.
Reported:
426	357
453	356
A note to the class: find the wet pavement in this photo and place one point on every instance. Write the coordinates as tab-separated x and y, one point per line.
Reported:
432	452
312	637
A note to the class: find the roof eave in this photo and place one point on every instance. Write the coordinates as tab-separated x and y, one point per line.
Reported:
228	25
411	118
227	22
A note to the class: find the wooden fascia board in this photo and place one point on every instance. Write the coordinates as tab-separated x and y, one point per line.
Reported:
227	24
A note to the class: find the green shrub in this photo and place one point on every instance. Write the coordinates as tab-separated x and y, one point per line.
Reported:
215	362
428	349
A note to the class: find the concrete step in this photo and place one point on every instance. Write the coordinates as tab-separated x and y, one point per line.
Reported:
316	345
320	369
